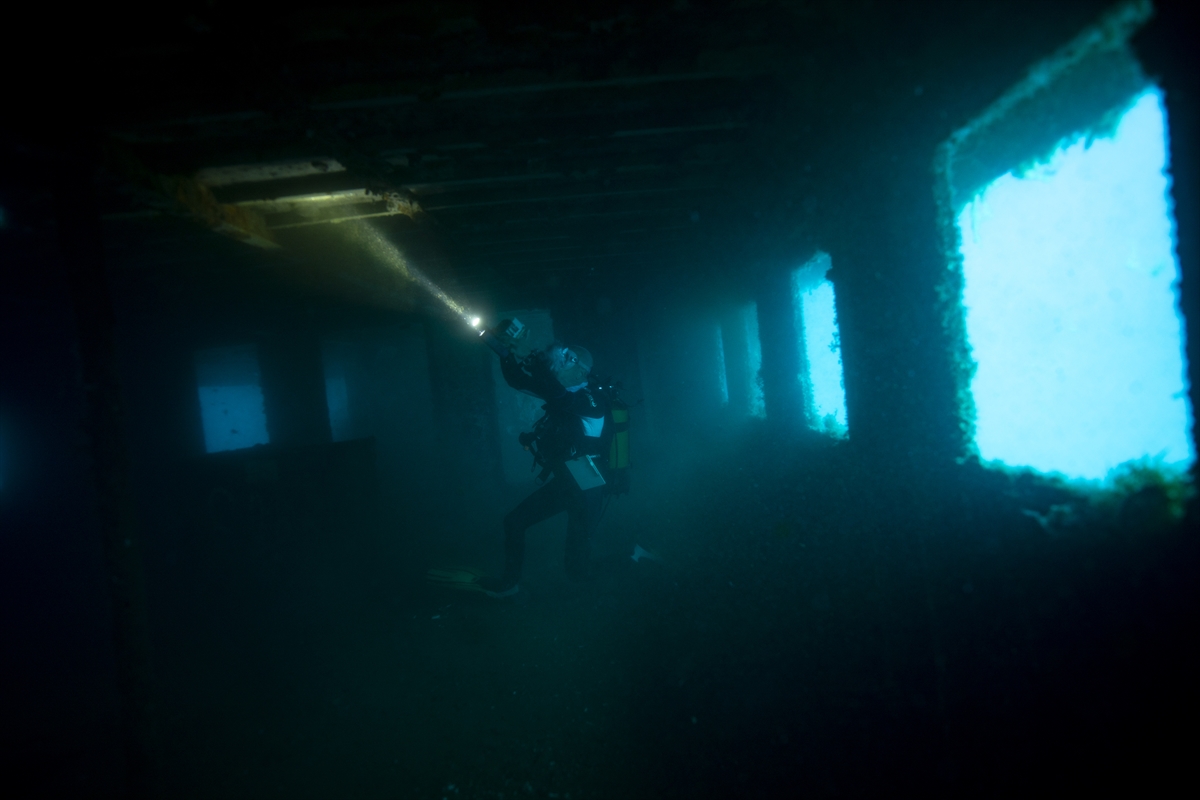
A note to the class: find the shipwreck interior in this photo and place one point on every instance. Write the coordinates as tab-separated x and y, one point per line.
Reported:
898	295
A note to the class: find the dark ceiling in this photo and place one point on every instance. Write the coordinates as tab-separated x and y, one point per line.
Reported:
510	148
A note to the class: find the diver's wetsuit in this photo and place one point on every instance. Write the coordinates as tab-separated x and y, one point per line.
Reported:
575	427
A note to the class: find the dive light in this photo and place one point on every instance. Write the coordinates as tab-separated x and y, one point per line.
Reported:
504	335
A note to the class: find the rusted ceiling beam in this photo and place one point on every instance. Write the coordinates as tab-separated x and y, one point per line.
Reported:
389	205
184	194
300	193
245	225
305	203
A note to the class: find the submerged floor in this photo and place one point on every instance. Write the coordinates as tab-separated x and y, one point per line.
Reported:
806	630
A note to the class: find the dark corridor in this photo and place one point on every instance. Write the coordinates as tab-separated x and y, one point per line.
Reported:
236	431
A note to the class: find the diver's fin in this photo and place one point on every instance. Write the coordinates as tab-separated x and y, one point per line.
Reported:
499	587
465	579
454	575
640	552
500	593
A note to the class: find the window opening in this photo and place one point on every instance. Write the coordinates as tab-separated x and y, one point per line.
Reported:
231	398
822	379
377	386
4	457
337	399
722	370
1071	306
342	361
1055	203
755	401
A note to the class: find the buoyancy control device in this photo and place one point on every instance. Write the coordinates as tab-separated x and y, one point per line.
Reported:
550	443
547	441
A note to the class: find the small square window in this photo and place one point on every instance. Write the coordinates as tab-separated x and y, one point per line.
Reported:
231	398
755	400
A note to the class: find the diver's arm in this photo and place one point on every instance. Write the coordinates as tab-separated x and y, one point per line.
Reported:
514	376
532	375
497	344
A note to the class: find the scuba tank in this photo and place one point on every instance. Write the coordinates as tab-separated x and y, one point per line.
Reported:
618	448
547	442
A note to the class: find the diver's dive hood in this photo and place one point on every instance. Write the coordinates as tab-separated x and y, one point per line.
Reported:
576	366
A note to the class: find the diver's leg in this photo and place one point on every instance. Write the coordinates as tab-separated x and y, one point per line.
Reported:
583	516
542	504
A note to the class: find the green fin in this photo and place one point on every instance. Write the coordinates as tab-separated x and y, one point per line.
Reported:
465	579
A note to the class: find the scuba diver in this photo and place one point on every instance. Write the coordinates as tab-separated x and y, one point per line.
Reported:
581	444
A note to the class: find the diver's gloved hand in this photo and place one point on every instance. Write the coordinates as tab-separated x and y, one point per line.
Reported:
503	337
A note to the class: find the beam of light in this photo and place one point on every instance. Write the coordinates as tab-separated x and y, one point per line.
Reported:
389	255
1072	309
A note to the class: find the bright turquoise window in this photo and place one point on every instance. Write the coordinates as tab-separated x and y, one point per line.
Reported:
722	370
755	400
815	309
231	398
1072	310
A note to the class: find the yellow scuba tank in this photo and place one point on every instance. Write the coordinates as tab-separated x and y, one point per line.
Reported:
618	450
617	413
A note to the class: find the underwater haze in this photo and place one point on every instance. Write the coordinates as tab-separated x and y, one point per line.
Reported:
452	401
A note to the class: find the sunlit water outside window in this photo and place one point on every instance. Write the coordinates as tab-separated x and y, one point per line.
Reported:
755	402
816	321
722	371
231	398
1072	310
